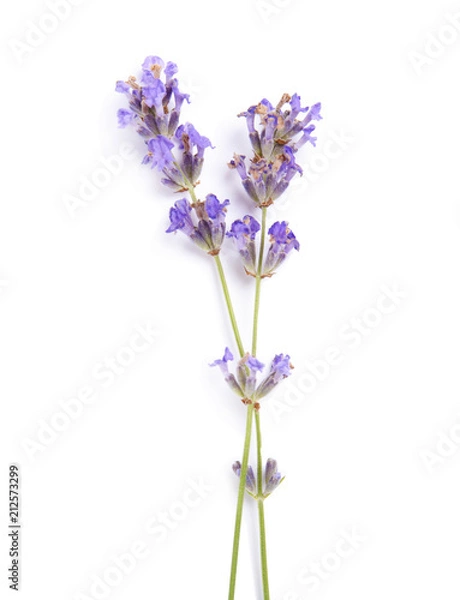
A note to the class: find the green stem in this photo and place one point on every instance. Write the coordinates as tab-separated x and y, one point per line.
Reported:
191	191
260	499
247	439
239	505
228	301
260	507
255	325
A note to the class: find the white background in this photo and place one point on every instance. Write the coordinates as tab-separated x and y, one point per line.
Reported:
364	450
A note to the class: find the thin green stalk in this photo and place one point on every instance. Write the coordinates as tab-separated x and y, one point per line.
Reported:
223	280
191	191
247	439
255	322
239	505
228	301
260	500
260	507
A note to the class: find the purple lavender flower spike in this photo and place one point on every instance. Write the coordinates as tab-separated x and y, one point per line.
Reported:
244	231
280	368
154	106
275	140
282	241
251	485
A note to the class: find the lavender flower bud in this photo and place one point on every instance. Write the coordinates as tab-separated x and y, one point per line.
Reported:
272	477
243	233
251	486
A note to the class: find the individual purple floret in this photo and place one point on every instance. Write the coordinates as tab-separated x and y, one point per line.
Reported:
192	145
209	231
280	368
243	231
251	486
272	477
244	383
159	153
282	241
275	139
154	105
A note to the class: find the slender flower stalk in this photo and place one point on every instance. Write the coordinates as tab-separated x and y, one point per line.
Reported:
247	439
228	301
260	499
255	321
240	502
261	512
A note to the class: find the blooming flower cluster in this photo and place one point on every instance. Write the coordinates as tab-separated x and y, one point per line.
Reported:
275	140
272	478
244	383
209	232
154	106
282	241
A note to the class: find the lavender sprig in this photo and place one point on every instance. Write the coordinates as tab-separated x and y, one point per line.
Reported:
276	132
